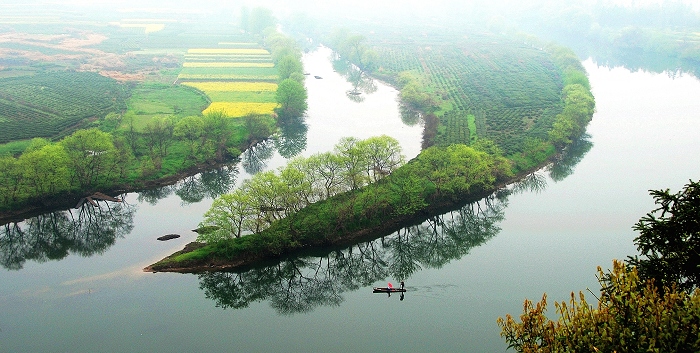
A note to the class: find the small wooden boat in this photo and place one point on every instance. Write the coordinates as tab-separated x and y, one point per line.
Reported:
388	290
318	77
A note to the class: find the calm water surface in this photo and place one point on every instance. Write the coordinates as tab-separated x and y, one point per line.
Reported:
644	135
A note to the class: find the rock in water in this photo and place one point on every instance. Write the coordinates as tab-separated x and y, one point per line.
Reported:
168	237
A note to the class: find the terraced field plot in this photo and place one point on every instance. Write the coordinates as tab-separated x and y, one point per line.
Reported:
239	81
507	93
52	104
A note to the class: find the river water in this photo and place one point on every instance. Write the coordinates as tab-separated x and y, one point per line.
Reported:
462	270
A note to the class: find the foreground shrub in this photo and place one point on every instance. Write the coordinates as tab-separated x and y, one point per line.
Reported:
632	315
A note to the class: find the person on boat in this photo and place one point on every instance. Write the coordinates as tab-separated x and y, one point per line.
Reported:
390	287
401	284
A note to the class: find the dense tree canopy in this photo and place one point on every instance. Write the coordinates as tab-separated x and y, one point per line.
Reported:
91	154
291	95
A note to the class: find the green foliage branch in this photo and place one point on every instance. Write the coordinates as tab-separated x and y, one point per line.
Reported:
632	315
669	239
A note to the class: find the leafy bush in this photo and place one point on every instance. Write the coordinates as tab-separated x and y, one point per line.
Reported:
632	315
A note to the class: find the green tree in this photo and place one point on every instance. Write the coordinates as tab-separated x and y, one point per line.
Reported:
130	133
282	46
159	136
288	65
414	92
46	169
353	162
90	152
297	190
230	215
669	239
11	180
457	169
291	95
268	192
329	169
190	130
36	143
216	136
383	156
259	127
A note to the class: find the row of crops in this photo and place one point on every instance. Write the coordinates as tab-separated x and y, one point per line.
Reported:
48	104
512	91
239	78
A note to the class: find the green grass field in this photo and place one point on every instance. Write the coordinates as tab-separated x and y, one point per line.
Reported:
151	100
242	71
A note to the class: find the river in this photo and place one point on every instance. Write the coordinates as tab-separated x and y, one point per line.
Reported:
90	295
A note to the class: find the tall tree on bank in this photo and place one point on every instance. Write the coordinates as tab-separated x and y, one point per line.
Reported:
91	153
291	95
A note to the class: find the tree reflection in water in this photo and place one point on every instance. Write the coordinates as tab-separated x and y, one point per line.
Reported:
362	83
255	158
298	285
208	184
291	139
52	236
573	154
194	188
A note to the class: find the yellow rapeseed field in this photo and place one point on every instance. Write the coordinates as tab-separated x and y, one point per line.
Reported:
226	64
233	86
226	51
239	109
226	77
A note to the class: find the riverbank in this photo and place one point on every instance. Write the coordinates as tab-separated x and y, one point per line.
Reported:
70	200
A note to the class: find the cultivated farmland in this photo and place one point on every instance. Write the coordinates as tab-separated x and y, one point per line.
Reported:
53	103
239	81
506	92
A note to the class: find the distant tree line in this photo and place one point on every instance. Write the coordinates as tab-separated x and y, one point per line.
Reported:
291	93
578	101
